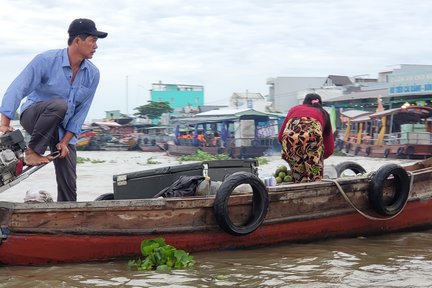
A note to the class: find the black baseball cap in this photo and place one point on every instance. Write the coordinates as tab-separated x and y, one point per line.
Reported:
85	26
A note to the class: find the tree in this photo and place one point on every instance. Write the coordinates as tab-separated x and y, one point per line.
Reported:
153	110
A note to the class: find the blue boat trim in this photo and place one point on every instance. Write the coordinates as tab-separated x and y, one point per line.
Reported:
4	232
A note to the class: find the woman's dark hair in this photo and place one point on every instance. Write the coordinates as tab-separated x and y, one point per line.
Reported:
314	100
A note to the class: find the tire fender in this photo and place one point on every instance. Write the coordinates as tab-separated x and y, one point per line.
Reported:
347	147
243	152
368	150
349	165
409	150
400	151
386	153
400	190
357	150
339	144
260	203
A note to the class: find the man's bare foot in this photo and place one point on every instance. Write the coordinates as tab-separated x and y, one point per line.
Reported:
34	159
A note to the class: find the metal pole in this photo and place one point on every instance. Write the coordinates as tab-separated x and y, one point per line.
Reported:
127	95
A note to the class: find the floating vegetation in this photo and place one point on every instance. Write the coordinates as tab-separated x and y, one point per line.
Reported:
151	161
161	257
202	156
81	160
262	160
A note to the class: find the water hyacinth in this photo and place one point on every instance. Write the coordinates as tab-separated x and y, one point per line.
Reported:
161	257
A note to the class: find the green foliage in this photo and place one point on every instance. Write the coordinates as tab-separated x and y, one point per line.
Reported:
202	156
153	110
161	257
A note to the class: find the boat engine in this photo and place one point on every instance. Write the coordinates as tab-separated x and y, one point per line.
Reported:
12	147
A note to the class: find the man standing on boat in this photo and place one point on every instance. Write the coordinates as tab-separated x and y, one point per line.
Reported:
59	86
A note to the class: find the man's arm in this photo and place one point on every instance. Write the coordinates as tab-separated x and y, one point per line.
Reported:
23	84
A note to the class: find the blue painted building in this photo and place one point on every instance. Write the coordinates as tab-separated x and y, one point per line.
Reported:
181	97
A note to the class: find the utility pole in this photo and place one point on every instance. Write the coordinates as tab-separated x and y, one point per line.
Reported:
127	95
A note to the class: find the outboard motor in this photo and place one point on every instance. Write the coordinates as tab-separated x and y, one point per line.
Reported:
12	147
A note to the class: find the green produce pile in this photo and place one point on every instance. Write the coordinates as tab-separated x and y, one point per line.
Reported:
282	174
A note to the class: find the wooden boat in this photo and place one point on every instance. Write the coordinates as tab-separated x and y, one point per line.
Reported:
241	134
153	139
403	132
42	233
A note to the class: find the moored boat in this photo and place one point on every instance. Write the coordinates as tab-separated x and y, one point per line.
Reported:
241	134
403	132
392	199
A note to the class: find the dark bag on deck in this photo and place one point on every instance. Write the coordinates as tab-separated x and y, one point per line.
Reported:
184	186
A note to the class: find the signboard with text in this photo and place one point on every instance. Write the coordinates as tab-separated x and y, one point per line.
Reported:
405	84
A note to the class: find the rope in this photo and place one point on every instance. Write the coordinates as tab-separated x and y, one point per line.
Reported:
334	181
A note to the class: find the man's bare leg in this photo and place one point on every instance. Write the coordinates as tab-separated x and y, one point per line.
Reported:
34	159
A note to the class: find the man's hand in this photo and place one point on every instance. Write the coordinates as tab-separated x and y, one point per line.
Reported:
5	128
63	148
5	124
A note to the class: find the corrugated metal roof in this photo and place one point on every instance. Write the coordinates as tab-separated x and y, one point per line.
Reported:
247	95
225	115
339	80
423	111
231	112
352	114
360	95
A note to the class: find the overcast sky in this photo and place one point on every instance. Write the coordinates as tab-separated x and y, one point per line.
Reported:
225	45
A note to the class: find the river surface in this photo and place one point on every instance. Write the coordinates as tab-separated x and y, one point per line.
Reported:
393	260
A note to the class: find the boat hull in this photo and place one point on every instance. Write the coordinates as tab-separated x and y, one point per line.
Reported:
31	249
43	233
396	151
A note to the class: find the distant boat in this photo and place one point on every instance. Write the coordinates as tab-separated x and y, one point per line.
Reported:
108	136
403	132
153	139
245	133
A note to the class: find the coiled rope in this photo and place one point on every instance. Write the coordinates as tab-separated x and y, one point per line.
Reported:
334	181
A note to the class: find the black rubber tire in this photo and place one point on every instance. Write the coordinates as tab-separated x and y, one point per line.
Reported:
349	165
386	153
347	147
357	150
400	152
106	196
260	203
368	150
255	143
243	152
338	145
401	189
409	151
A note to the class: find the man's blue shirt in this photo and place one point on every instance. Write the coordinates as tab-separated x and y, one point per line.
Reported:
48	76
